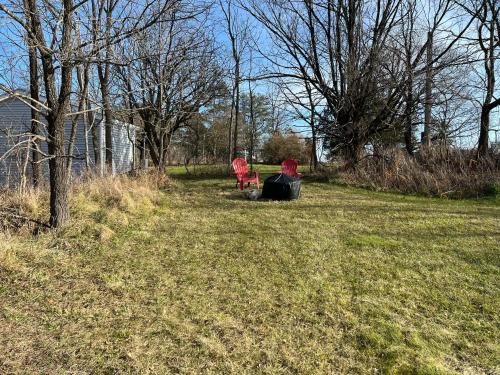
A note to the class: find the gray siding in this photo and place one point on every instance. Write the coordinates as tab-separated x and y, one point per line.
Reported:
123	147
14	128
124	136
15	116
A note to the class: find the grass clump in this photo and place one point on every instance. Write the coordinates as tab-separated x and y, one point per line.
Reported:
21	212
199	280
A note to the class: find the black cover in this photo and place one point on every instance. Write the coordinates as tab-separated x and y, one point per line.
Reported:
281	187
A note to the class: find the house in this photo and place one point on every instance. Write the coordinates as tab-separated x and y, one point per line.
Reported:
16	142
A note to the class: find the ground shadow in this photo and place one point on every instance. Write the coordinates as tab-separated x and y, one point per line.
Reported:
199	176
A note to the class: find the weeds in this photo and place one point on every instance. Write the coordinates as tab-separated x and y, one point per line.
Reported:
437	172
22	212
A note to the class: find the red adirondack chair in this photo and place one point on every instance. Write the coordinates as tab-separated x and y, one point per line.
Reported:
289	167
241	171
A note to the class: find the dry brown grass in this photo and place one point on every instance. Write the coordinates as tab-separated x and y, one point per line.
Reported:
437	172
21	211
27	211
118	190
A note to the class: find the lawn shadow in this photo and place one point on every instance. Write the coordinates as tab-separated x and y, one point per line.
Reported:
233	195
199	176
321	179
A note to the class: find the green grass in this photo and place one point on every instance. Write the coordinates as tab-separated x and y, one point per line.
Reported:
199	280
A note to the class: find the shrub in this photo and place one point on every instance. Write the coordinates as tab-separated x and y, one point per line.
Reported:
436	172
280	147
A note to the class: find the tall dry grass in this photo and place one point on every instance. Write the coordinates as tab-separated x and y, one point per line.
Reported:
27	211
435	172
21	210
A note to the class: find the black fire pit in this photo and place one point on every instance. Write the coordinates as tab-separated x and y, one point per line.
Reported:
281	187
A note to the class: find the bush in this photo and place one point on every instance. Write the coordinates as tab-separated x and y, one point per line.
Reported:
436	172
281	147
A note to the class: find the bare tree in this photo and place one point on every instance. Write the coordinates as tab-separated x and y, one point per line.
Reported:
305	103
488	35
50	30
34	93
111	23
349	52
237	31
57	100
175	75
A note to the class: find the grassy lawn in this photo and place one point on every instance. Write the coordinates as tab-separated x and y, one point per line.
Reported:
196	279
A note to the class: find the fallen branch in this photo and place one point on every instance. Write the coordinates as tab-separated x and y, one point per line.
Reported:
14	214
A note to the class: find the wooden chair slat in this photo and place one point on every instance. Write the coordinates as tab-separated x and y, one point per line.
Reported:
289	167
240	168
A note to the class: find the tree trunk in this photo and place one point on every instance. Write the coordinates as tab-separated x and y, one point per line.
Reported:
103	73
35	116
314	155
35	110
488	48
426	136
253	125
155	141
408	34
59	210
484	130
230	134
236	109
312	124
86	135
58	103
141	145
408	134
95	136
354	151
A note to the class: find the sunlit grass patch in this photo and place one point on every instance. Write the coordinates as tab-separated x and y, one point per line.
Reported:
192	278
